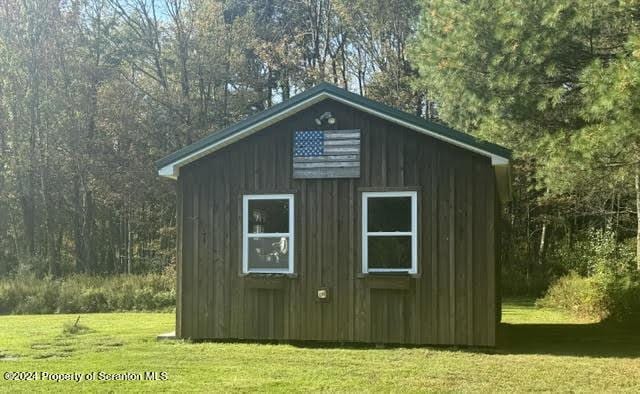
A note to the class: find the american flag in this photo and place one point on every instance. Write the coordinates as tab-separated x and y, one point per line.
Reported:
326	154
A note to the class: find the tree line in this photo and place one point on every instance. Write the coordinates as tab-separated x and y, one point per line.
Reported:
93	91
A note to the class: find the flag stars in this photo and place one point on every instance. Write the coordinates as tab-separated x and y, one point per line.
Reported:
308	143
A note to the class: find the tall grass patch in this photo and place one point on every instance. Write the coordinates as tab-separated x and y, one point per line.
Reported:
26	294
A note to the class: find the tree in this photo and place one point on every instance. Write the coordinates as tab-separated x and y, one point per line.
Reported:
514	73
605	154
92	92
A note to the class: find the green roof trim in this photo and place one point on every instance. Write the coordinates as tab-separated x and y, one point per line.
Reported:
435	128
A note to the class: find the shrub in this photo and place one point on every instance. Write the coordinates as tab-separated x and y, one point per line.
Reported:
30	305
605	295
144	299
93	300
165	299
581	296
68	300
621	294
26	294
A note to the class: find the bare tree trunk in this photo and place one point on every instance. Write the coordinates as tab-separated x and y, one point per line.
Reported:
270	88
334	70
227	78
50	255
27	205
78	232
638	216
286	87
419	105
345	82
183	30
543	237
128	228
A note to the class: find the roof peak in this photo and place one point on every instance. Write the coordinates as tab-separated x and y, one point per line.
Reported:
169	165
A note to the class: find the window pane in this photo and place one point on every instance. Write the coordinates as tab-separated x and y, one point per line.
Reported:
268	216
269	253
390	252
389	213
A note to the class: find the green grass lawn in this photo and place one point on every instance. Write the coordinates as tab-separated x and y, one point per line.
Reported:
538	350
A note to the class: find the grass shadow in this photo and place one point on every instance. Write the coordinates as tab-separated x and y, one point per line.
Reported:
579	340
582	340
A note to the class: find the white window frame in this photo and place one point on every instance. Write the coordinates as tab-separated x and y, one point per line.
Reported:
413	233
246	235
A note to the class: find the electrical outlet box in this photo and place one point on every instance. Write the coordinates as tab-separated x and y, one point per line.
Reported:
323	294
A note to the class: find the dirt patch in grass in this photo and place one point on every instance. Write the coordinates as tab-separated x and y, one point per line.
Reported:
75	328
8	357
112	344
40	346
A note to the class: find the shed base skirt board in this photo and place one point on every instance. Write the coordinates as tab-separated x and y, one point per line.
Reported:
313	343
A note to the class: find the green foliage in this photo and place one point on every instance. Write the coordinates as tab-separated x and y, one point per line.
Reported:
559	82
590	252
518	278
93	300
612	291
83	293
512	66
601	158
586	253
580	296
623	301
621	288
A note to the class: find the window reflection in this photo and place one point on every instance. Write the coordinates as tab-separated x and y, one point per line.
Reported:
268	216
269	252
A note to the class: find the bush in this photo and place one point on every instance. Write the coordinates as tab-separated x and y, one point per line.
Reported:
94	300
144	299
605	295
26	294
621	294
581	296
165	299
68	300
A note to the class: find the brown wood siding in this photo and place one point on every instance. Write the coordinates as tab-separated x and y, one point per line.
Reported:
452	300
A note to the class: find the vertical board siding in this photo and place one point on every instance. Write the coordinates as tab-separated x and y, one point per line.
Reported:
186	260
179	272
452	300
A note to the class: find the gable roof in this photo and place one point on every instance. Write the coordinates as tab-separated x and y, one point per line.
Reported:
169	166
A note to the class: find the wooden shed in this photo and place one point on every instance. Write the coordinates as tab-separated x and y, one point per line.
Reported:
331	217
